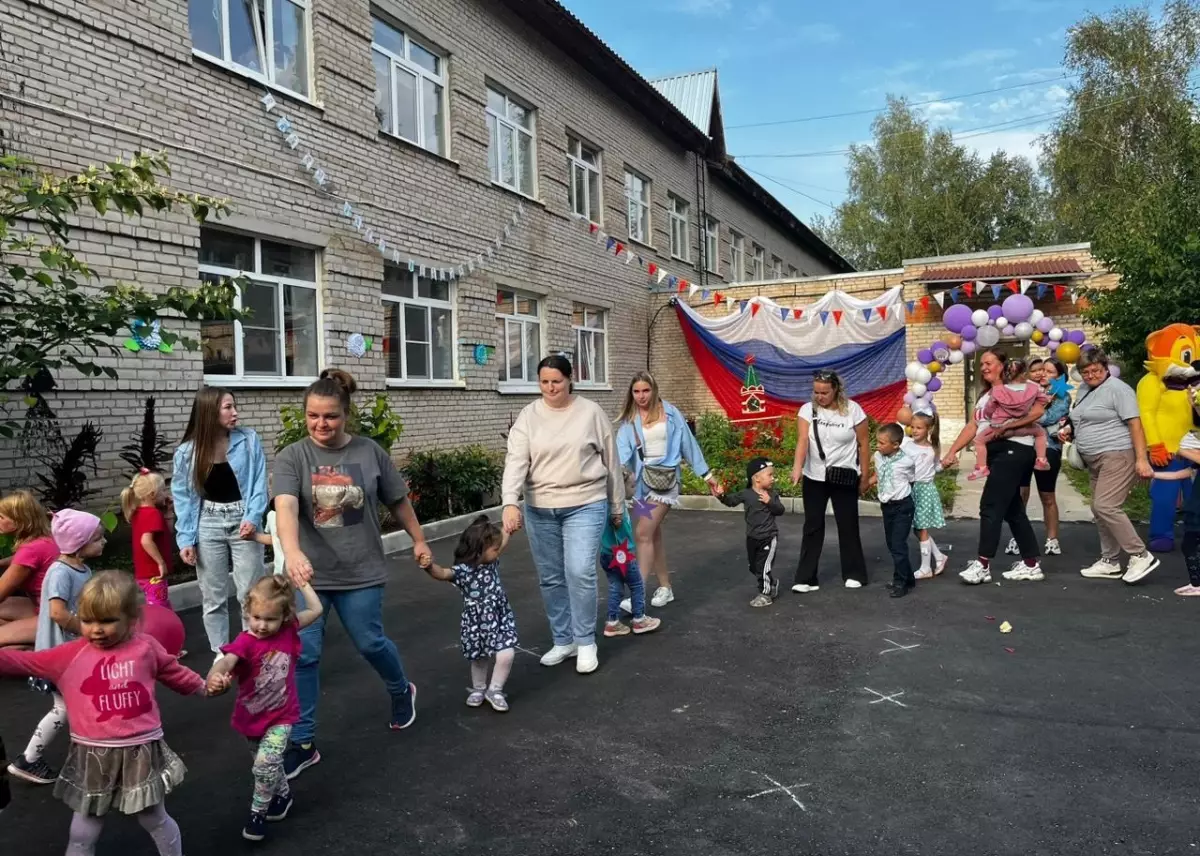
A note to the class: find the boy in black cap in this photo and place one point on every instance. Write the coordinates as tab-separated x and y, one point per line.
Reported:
762	507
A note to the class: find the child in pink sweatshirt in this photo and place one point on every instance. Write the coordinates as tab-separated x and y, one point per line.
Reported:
118	759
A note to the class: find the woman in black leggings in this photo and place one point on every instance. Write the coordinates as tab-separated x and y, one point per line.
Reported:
1001	502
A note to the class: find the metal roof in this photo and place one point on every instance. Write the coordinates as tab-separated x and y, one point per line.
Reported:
1003	270
692	94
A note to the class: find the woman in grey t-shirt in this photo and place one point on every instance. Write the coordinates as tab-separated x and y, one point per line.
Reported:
1107	428
328	489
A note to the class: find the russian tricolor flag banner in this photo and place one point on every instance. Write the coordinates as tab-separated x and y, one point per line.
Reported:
759	362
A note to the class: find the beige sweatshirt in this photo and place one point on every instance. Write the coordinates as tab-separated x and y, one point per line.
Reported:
562	458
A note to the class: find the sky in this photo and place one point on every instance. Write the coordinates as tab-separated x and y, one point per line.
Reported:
782	59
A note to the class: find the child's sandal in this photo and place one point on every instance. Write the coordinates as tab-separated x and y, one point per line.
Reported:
475	696
497	700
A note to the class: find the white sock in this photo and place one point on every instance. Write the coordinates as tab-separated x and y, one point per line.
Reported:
937	554
925	551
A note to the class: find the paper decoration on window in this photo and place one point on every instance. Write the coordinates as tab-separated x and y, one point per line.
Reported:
147	336
357	345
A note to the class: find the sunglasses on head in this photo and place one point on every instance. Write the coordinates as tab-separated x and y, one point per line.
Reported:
825	376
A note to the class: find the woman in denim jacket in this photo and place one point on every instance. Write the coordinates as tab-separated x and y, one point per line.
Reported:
653	432
220	493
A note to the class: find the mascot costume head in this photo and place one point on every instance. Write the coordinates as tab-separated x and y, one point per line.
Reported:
1165	400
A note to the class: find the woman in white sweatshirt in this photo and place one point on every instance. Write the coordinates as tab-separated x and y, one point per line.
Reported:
562	455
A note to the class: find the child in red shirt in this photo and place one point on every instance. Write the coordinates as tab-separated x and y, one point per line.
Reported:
263	659
118	759
144	503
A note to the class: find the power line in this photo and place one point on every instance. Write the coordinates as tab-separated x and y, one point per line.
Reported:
787	186
910	104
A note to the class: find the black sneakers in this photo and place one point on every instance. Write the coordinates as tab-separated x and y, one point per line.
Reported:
404	709
299	757
256	827
38	773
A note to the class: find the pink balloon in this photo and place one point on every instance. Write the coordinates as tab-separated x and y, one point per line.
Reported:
164	625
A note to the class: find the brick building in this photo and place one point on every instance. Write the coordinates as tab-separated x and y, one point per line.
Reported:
437	120
1067	266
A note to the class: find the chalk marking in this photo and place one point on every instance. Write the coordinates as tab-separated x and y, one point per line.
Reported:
787	789
531	653
912	630
896	646
885	697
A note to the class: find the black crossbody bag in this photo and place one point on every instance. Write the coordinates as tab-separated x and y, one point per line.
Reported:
836	476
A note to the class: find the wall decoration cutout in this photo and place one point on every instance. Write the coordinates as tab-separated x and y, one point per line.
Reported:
147	336
358	345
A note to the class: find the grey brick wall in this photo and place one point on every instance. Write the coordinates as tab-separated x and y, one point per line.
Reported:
83	82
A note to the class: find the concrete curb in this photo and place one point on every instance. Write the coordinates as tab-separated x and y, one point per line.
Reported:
186	596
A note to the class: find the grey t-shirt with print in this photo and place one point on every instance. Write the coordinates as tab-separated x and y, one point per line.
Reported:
1099	418
340	491
62	582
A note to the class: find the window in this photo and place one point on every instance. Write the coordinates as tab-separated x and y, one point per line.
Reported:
679	229
418	320
637	199
737	256
266	39
591	345
712	245
519	328
760	256
511	153
583	164
410	88
792	272
776	267
279	338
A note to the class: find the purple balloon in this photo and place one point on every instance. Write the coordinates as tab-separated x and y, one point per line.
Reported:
1114	370
1017	308
1046	325
994	311
1052	345
956	317
969	333
1010	330
934	385
938	346
1076	336
909	398
925	355
969	348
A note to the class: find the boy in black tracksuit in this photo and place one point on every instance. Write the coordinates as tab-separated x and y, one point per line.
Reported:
762	505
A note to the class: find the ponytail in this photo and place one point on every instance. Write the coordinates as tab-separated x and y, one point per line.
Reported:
333	383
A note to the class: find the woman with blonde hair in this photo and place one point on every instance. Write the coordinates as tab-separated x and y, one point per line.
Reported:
832	454
653	440
220	492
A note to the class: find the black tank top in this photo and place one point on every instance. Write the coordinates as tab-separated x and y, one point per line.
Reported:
221	484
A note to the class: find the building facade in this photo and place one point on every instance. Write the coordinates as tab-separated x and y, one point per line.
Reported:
475	140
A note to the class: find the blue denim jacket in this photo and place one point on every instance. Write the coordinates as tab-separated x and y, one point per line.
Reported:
681	446
249	466
1056	411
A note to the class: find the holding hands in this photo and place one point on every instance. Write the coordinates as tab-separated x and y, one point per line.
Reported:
512	519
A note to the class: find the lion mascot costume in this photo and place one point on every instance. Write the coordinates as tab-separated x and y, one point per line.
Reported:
1165	402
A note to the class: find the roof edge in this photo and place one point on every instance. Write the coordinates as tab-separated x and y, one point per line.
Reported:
999	254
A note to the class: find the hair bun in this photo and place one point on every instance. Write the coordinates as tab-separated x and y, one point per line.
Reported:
342	378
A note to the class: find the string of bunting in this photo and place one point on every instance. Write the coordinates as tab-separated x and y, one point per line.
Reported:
913	310
388	248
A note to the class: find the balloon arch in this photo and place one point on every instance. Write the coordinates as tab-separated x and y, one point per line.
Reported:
971	330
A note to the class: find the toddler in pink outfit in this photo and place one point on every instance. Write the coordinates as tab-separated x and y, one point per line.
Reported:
1007	403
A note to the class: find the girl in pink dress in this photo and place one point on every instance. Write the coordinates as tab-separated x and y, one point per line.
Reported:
1007	402
118	759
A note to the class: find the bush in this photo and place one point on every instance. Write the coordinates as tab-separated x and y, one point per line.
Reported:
378	423
446	484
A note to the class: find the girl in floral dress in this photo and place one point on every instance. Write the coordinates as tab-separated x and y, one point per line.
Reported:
489	628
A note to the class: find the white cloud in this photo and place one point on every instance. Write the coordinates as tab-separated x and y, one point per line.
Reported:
1023	143
714	8
978	58
941	111
760	15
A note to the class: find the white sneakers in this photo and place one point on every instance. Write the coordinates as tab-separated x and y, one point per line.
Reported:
975	574
801	588
1139	567
561	652
1052	547
627	606
853	584
1020	572
588	661
662	596
1103	569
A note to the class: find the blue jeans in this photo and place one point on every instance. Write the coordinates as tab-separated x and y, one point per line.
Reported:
220	554
616	588
566	548
361	612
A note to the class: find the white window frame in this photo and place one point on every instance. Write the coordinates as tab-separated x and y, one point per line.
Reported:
680	228
425	303
239	377
712	244
776	267
641	204
266	45
759	262
576	163
404	65
522	384
737	256
585	330
506	125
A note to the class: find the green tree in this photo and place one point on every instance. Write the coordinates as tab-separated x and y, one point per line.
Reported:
55	311
1129	116
913	192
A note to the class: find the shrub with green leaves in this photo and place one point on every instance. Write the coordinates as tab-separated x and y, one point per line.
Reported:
450	483
377	422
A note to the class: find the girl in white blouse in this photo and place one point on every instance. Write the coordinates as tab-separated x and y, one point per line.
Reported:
923	447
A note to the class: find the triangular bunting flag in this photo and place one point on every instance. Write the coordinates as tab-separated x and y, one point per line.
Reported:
1014	286
911	306
1041	290
954	295
729	303
940	297
653	269
925	302
883	313
1025	283
682	286
662	274
969	288
742	306
620	248
783	313
754	307
718	297
824	317
995	292
704	294
628	257
1059	291
797	314
612	242
1074	296
837	316
867	313
593	228
672	280
692	289
641	261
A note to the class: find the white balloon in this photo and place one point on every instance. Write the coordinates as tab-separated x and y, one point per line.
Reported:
910	371
923	376
1037	316
1024	330
919	390
988	337
956	357
1056	334
980	318
1001	322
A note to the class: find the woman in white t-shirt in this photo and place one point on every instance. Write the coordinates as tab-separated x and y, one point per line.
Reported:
832	453
1001	501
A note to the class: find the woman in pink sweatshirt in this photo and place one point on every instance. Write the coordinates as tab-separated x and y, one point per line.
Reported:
118	759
